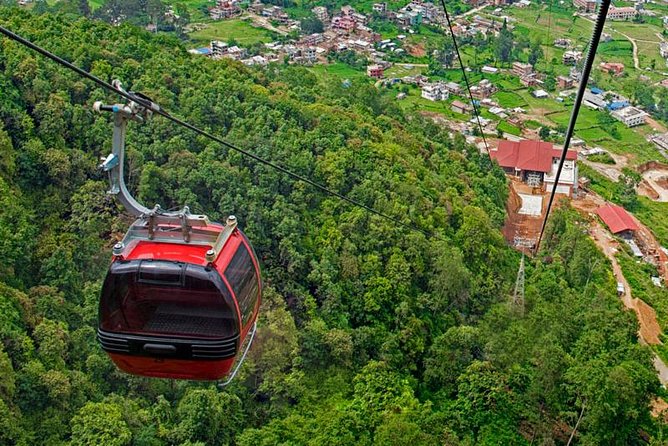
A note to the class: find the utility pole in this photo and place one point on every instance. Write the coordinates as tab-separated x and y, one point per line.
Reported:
518	294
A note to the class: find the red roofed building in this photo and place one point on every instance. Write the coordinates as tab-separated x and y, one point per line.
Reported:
617	219
536	163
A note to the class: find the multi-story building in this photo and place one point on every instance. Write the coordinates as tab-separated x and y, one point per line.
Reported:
320	13
536	163
564	82
483	90
623	13
613	68
224	10
585	5
522	69
571	57
344	23
375	70
218	48
630	116
435	92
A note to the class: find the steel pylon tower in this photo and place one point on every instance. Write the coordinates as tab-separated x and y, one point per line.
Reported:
518	294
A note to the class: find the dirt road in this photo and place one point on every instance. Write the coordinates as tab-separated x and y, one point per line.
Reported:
650	330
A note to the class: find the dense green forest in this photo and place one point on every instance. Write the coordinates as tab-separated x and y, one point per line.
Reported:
369	333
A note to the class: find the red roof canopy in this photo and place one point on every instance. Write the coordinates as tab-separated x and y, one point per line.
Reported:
616	218
529	155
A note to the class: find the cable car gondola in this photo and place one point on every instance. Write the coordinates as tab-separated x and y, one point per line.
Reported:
182	293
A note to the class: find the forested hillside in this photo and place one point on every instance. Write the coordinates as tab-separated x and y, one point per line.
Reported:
369	333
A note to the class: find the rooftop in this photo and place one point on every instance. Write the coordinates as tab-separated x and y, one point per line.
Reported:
528	155
617	218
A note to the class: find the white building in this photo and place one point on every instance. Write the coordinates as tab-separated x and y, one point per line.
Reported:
630	116
623	13
435	92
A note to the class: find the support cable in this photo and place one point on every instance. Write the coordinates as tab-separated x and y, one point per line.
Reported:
466	79
145	102
586	70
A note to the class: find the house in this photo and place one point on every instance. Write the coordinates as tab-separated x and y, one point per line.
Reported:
522	69
205	51
562	43
664	83
661	140
460	107
483	90
571	57
224	10
618	220
453	87
585	5
564	82
489	70
435	92
663	49
218	48
379	8
320	13
375	70
344	23
623	13
618	105
529	80
630	116
613	68
594	100
536	163
540	94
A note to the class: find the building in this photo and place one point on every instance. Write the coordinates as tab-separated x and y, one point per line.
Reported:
489	70
522	69
320	13
536	163
435	92
585	5
571	57
218	48
664	83
375	70
562	43
483	90
618	220
663	49
614	68
224	10
453	87
630	116
564	82
540	94
530	80
379	8
623	13
661	140
344	23
460	107
594	100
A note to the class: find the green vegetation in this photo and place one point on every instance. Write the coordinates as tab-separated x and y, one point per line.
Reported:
369	334
509	128
604	158
240	31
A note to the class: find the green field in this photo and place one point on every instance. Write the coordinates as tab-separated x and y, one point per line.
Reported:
239	30
508	128
338	70
508	99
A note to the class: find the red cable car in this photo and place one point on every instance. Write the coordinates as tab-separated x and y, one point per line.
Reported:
182	294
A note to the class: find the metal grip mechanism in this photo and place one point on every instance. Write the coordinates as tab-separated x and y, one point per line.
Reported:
139	110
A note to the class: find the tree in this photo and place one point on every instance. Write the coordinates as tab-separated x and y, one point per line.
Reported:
311	25
503	47
544	133
535	53
100	423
